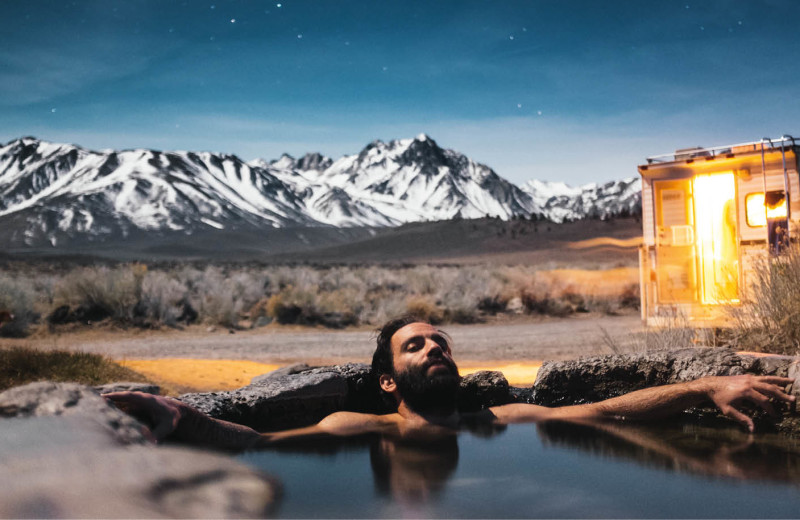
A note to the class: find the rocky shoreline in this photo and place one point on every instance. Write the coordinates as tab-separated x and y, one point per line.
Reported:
65	451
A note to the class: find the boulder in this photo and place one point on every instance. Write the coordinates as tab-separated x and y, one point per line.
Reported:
66	467
483	389
67	453
124	386
283	371
276	403
594	379
71	400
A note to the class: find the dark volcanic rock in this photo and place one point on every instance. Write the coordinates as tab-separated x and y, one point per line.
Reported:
276	403
482	390
594	379
283	371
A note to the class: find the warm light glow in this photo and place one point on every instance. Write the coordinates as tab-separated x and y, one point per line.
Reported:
757	214
717	249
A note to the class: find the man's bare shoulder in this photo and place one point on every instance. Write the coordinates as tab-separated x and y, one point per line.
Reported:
355	423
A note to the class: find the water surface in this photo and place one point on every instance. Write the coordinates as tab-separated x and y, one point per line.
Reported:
545	471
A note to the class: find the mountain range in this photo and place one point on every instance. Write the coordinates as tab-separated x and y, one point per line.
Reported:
57	193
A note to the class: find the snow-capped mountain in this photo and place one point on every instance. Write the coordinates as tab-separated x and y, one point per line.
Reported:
52	192
560	202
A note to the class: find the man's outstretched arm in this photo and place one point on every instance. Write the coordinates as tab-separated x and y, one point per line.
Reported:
170	418
726	392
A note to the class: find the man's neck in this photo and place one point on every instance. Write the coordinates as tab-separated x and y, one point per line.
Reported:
446	418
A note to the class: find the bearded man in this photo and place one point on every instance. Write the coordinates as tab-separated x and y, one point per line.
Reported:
415	367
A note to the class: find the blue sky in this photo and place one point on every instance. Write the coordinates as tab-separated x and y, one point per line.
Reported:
576	91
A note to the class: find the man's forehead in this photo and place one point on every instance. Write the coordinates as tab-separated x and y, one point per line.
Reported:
415	329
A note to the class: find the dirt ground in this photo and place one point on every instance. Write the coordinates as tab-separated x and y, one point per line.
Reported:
198	359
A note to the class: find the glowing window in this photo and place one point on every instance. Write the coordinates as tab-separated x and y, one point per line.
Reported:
757	214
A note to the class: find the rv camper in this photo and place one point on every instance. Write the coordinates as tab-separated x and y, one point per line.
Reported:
708	215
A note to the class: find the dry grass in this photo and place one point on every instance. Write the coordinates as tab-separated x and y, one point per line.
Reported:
237	296
20	365
771	321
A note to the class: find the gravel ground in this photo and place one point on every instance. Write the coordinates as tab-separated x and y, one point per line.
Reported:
549	339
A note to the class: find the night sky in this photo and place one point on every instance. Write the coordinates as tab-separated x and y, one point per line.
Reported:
577	91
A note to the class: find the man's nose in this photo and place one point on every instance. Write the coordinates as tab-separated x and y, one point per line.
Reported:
434	348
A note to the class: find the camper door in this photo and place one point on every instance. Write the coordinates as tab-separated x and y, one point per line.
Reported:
697	256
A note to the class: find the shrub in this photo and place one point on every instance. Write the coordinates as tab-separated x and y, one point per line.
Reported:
17	299
771	321
98	293
424	309
162	299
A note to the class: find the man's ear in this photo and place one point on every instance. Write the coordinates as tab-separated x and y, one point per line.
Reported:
387	383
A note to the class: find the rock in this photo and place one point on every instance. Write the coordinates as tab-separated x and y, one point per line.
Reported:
363	393
283	371
211	329
482	390
125	386
67	467
276	403
594	379
70	400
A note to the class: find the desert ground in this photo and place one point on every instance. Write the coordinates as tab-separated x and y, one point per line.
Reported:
196	359
595	261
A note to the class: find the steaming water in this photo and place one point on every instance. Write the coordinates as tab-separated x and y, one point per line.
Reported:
552	471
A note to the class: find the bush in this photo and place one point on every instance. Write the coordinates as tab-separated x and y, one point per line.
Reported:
98	293
17	299
771	321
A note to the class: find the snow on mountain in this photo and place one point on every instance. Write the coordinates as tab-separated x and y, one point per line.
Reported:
560	202
54	191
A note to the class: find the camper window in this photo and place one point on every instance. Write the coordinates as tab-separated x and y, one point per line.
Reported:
757	213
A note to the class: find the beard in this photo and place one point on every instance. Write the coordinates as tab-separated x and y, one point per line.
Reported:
434	393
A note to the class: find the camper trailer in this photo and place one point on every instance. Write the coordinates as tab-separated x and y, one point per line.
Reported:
708	216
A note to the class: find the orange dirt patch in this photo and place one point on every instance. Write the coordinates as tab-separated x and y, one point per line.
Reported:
206	375
605	241
202	375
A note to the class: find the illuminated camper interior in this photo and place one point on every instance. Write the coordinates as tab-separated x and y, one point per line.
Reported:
715	226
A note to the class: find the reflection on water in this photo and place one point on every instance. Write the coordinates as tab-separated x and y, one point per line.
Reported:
413	472
546	470
722	452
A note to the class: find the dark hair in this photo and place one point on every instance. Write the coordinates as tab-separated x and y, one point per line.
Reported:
382	359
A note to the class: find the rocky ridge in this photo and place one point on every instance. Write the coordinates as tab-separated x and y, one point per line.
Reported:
59	193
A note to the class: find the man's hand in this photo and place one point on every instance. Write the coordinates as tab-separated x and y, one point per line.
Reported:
728	392
162	414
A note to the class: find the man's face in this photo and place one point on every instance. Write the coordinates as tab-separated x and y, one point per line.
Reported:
424	371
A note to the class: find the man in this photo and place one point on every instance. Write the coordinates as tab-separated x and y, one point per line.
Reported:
416	368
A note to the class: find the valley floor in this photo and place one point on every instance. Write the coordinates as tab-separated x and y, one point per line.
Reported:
515	346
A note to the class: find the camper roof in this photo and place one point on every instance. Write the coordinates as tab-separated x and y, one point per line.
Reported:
754	146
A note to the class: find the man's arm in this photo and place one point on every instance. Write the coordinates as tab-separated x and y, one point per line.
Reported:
171	418
726	392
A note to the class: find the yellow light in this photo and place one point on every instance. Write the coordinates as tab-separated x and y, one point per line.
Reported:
717	249
757	214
